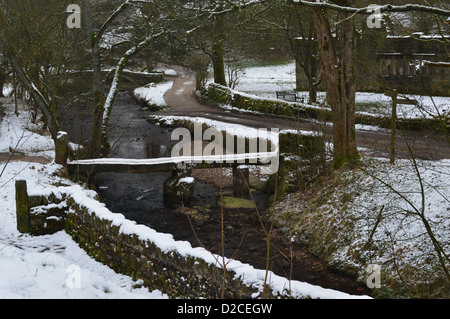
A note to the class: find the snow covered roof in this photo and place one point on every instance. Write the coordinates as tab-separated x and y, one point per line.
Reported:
439	63
389	53
419	35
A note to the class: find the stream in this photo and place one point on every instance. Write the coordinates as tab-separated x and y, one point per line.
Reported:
139	198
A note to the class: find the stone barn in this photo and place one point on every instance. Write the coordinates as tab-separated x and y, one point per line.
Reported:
415	64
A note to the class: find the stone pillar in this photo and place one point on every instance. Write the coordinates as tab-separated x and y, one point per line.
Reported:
62	148
178	188
22	208
241	175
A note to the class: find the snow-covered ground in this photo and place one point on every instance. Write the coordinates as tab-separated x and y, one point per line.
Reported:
7	89
153	93
427	107
54	266
267	80
373	216
398	190
43	267
18	133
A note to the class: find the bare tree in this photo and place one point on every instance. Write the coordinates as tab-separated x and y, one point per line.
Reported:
294	24
43	103
40	53
94	37
338	67
3	71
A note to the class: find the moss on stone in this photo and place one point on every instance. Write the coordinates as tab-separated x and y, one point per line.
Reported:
234	203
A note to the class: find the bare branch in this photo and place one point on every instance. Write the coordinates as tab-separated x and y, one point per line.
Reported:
369	10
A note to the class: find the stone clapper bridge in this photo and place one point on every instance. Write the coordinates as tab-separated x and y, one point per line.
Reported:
179	187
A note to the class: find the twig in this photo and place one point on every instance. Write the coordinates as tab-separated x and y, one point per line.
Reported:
379	218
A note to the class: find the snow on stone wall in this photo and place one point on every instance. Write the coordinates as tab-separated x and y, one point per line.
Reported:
174	267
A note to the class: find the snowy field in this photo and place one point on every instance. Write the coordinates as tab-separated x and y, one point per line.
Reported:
374	217
265	81
392	196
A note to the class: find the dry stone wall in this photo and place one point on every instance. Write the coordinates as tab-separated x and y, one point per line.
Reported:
154	259
238	100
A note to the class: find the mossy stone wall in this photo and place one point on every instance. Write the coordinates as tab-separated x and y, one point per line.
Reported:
224	95
174	274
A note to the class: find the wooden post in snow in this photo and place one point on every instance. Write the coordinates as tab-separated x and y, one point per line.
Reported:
393	126
22	208
240	181
62	149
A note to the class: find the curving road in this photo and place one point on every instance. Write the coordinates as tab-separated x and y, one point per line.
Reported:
182	102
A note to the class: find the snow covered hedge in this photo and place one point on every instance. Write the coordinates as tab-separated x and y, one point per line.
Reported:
242	101
224	95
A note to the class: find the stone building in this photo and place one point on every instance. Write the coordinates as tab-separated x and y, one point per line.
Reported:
416	63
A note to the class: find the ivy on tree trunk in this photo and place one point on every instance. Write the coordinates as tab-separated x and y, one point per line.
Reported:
338	74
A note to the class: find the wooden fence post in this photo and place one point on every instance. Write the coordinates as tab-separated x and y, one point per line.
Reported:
62	148
240	181
393	126
22	208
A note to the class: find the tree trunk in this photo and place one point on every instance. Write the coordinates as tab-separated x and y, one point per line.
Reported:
95	144
338	74
44	106
95	149
310	69
2	81
305	51
298	74
114	89
313	78
312	92
218	63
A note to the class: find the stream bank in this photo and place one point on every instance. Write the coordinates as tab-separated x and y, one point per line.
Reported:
139	198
